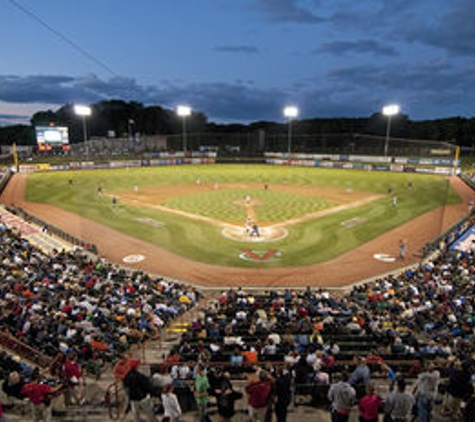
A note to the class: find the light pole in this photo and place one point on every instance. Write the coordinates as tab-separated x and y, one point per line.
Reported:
389	110
184	112
83	111
291	112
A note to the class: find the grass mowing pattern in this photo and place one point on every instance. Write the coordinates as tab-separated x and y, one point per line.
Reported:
309	242
228	205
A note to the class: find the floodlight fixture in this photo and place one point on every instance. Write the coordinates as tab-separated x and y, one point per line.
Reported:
83	111
389	110
291	112
184	111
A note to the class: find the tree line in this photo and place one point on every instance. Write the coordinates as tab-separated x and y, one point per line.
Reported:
117	118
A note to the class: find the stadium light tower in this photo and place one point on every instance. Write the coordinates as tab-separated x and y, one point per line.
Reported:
389	110
83	111
291	112
184	111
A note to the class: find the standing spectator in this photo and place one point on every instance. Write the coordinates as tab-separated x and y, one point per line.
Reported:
426	389
259	392
201	392
361	376
171	406
124	365
391	376
74	378
226	396
39	395
369	405
342	397
139	388
459	387
283	393
399	404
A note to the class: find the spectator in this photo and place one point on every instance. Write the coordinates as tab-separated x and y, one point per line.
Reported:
399	404
226	397
201	392
124	365
370	405
74	379
40	395
459	388
342	397
426	389
361	374
139	388
13	385
283	394
259	392
171	407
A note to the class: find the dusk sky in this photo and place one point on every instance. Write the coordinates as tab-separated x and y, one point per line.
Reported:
240	60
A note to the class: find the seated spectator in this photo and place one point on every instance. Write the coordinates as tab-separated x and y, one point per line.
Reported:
236	357
270	348
250	355
13	385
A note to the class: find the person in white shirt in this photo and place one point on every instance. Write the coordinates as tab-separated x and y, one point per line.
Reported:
171	406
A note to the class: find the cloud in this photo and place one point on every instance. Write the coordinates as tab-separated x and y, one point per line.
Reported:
247	49
12	119
288	11
365	46
436	88
452	29
432	89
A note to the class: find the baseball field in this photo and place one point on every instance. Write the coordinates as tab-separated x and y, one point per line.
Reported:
300	216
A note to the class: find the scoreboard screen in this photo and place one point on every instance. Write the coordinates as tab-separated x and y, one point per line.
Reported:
52	137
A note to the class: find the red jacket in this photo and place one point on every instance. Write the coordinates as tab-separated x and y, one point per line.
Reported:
258	394
36	392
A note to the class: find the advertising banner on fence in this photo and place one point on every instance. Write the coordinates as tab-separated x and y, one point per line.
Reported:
466	242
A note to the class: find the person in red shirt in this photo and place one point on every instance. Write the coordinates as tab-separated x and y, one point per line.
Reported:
74	378
258	392
370	405
124	365
39	395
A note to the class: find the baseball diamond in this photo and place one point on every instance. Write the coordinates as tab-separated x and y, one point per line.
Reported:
202	226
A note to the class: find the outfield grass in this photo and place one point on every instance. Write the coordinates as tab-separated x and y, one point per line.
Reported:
308	242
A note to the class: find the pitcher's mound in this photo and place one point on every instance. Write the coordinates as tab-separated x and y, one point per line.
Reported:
266	234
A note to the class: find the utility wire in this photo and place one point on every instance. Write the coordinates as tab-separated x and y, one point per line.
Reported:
63	37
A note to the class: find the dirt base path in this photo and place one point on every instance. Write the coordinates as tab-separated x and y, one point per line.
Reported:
350	267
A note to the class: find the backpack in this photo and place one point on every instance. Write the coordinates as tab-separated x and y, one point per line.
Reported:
137	385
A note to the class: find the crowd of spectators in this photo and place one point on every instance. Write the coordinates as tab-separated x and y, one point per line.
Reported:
79	309
399	327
